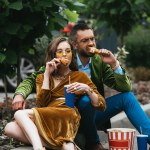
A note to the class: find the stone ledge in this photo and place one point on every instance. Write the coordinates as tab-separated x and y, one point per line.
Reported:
23	148
118	121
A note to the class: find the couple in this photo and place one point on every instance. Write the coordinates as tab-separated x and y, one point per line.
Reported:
102	68
53	124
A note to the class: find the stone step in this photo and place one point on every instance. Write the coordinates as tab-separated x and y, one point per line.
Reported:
23	148
119	121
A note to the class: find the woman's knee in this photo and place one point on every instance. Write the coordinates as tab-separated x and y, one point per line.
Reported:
25	112
9	129
14	131
18	114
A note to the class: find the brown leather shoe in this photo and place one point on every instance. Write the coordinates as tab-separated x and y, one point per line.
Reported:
97	146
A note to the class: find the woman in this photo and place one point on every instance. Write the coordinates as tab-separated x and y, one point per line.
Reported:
53	124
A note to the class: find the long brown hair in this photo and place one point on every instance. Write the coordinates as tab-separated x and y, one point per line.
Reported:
52	48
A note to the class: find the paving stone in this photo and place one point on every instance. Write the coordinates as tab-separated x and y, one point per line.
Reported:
119	121
23	148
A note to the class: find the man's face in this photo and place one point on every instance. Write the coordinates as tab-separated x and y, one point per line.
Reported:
85	40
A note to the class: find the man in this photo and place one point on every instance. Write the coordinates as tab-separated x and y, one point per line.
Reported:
102	68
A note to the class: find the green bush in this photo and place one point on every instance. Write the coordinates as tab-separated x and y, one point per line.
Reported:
138	45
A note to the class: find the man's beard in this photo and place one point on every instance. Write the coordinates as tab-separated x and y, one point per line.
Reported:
85	54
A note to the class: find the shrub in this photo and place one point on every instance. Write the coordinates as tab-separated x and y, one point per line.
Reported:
138	45
139	73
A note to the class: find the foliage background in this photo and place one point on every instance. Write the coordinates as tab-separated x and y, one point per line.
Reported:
27	25
23	21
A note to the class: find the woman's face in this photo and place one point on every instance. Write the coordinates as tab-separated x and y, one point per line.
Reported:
64	50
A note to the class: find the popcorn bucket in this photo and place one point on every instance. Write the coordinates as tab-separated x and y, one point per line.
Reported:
121	138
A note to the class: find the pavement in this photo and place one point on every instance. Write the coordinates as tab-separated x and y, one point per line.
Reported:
2	96
118	121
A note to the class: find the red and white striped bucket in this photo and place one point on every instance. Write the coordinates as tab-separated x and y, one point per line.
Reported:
121	138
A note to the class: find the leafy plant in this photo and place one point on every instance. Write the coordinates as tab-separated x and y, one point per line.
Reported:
121	15
21	22
138	45
121	54
40	46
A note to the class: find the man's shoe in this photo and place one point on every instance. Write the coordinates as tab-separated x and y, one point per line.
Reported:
97	146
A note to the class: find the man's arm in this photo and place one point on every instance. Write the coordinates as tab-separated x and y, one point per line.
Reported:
116	79
24	89
113	75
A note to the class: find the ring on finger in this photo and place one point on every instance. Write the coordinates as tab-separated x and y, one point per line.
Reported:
75	88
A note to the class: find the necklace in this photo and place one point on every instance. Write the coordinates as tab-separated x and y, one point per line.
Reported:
61	77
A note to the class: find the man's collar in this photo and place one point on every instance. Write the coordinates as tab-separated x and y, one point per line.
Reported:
79	61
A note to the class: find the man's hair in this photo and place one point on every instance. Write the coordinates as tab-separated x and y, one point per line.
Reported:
75	29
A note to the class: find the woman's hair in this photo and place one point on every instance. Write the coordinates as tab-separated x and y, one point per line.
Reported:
52	48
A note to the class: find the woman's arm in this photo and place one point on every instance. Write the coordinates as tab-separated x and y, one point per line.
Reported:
97	99
43	96
43	82
86	86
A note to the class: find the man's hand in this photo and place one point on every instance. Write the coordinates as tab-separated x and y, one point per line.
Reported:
18	102
108	57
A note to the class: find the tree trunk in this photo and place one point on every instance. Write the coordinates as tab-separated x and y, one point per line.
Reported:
18	71
121	39
5	89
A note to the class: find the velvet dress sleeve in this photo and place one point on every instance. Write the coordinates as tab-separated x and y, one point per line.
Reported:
101	106
83	78
43	96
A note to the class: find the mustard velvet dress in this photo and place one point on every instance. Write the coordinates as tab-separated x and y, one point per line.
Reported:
56	122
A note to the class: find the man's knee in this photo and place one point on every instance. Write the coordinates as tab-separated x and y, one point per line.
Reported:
84	101
128	99
129	96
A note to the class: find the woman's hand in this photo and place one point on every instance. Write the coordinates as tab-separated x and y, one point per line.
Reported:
77	87
97	101
52	65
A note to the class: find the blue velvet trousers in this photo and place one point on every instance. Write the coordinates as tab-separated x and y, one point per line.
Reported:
126	102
